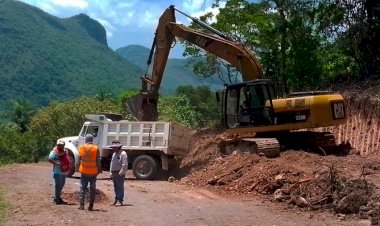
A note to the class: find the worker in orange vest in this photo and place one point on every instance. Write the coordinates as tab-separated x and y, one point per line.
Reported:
89	168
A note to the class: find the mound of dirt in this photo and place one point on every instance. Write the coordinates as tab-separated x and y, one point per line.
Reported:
307	180
73	197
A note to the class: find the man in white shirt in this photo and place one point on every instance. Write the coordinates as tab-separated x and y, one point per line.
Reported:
118	168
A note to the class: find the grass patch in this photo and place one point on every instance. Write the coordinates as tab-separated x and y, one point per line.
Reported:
3	207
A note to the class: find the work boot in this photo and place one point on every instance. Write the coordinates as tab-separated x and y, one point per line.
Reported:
62	202
91	207
81	207
114	203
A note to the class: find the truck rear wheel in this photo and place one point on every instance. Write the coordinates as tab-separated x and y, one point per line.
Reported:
145	167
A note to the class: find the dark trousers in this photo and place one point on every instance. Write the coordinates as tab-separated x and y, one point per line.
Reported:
118	185
60	180
84	180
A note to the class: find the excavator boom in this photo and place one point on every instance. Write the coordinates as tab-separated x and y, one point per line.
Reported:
144	105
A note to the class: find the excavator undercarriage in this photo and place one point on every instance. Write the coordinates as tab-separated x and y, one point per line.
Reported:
271	144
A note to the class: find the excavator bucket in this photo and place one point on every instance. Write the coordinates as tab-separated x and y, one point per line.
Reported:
143	106
133	105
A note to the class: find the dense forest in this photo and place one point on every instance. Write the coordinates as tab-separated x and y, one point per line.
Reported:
44	58
302	45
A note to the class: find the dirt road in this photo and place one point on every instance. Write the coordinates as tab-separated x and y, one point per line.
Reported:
29	189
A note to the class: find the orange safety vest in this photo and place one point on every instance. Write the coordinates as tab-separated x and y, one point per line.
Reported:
88	154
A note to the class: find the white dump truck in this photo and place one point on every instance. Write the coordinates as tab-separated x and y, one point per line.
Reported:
152	147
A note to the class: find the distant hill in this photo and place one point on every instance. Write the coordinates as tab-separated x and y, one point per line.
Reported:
44	58
178	72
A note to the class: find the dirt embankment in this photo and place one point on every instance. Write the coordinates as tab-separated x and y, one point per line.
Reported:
362	130
343	184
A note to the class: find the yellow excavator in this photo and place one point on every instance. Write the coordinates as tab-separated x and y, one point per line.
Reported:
249	107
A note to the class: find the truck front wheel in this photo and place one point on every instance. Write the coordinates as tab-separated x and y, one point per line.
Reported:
145	167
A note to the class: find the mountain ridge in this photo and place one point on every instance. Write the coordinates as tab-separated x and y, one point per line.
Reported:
45	58
178	72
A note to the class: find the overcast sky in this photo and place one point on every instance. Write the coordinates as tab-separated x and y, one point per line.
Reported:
126	21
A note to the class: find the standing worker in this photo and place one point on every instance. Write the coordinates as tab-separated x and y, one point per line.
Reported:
89	168
61	165
118	168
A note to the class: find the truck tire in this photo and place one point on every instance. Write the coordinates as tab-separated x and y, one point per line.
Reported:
72	167
145	167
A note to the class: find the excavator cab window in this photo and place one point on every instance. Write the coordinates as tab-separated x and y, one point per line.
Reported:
249	105
231	107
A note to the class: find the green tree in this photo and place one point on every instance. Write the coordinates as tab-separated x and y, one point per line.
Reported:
178	109
23	111
16	146
66	118
355	26
230	25
204	103
292	39
105	95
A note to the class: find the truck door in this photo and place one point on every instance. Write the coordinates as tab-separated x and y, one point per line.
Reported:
94	131
89	129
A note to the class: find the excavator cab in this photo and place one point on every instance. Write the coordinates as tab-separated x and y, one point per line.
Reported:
248	104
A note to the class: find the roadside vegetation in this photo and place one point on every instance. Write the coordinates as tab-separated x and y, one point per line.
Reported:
30	133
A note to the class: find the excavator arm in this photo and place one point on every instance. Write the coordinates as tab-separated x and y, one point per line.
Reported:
248	107
238	56
144	105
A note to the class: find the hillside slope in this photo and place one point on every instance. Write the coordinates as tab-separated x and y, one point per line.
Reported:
45	58
178	72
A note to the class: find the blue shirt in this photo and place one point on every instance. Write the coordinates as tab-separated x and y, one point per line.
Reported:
53	156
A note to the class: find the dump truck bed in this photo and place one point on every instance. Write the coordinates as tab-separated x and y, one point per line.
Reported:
167	137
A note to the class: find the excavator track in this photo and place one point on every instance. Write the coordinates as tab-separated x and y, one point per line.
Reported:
269	147
317	142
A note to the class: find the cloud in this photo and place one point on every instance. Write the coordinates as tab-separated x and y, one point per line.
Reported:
214	11
109	27
148	19
193	5
197	8
47	7
129	4
126	18
80	4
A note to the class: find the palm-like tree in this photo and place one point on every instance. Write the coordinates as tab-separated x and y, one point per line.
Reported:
22	114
